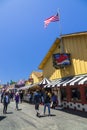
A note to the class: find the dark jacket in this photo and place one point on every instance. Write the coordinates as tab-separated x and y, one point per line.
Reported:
47	98
6	99
17	98
37	97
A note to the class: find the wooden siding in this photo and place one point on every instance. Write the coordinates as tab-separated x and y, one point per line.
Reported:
77	47
35	78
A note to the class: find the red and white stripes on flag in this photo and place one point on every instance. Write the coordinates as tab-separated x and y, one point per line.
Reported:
51	19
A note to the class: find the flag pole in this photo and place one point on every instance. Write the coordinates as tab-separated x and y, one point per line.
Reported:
60	29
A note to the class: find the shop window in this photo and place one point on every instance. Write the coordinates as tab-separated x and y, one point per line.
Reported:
63	94
75	94
86	93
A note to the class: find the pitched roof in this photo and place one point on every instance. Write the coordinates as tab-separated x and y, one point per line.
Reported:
55	44
74	34
53	47
38	74
44	81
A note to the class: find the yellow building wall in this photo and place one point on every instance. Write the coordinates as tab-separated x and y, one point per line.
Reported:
27	83
36	79
77	47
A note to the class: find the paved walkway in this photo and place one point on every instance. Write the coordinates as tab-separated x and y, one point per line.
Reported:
25	119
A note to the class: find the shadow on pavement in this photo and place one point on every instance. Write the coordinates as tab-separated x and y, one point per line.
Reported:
2	117
75	112
9	113
19	109
46	115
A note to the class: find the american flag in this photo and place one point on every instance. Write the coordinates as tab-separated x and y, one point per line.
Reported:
51	19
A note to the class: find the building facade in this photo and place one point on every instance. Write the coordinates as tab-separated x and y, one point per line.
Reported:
36	76
73	85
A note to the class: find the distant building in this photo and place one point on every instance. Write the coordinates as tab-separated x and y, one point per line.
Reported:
35	77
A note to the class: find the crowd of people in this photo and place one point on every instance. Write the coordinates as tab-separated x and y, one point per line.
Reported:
8	96
46	98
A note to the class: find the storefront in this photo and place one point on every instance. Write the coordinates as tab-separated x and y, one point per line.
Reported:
65	65
72	92
31	84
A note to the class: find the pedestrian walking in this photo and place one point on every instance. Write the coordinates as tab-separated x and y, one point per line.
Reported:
6	101
21	96
47	100
54	101
2	94
37	99
11	95
17	99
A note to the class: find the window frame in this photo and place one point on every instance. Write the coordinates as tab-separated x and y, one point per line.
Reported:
75	99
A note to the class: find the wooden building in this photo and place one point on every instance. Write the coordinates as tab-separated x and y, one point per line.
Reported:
33	80
31	84
35	76
69	81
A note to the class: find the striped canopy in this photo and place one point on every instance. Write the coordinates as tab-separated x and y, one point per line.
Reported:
44	81
69	81
28	86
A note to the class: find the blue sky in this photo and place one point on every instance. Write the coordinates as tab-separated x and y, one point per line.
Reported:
23	39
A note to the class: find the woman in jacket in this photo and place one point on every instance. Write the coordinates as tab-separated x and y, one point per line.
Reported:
17	100
6	101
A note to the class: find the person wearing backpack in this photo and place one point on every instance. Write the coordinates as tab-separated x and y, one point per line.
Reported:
6	101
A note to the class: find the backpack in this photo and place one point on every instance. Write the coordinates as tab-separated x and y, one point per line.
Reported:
6	99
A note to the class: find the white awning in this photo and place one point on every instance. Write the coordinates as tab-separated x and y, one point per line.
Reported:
44	81
83	81
68	81
24	87
76	81
56	82
63	81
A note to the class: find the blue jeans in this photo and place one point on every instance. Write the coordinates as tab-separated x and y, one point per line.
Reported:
5	107
47	105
